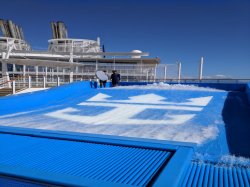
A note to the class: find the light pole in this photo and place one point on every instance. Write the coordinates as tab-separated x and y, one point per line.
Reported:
201	68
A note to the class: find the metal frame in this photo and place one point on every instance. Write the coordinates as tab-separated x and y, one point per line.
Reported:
18	44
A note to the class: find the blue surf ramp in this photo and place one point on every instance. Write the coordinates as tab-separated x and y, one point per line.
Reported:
176	115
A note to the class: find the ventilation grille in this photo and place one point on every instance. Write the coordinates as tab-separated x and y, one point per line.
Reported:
101	162
214	175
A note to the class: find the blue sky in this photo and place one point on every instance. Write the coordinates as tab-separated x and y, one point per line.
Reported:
172	30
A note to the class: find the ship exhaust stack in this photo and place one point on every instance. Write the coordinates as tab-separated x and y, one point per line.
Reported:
3	28
11	30
54	30
59	30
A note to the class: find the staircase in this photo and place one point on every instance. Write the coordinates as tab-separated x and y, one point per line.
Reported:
8	91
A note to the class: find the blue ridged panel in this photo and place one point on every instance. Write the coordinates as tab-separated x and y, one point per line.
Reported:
208	175
10	182
102	162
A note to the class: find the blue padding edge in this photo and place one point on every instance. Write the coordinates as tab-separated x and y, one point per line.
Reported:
97	138
172	171
52	178
175	170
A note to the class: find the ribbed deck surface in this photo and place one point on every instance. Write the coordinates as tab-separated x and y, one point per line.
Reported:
6	182
102	162
214	175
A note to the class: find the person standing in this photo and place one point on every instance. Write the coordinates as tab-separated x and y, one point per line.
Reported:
115	78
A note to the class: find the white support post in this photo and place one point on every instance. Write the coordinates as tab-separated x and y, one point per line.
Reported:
165	73
63	76
13	87
14	68
58	81
179	71
71	76
44	82
29	82
36	69
155	74
8	79
71	56
4	55
10	46
6	73
46	72
24	73
147	76
201	68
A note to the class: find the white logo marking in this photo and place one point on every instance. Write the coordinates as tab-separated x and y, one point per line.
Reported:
124	111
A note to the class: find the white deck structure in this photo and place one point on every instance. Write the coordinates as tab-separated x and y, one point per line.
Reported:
74	59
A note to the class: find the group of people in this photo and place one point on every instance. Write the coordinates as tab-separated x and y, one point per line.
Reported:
115	79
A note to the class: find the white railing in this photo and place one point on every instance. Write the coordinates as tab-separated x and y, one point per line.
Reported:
4	82
128	72
74	45
22	82
19	45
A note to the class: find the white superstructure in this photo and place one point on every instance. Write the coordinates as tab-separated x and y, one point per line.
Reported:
74	45
16	44
72	59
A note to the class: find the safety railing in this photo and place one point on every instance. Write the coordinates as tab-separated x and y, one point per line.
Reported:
4	81
23	82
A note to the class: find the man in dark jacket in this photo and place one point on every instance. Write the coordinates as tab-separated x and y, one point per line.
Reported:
115	78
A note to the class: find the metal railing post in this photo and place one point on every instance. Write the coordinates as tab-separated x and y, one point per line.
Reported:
13	87
58	81
44	82
147	76
71	76
155	73
165	73
29	82
179	71
201	68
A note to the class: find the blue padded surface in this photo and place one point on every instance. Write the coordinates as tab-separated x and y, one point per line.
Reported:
202	174
10	182
125	165
218	128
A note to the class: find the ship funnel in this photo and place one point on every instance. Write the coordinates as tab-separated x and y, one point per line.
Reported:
59	30
11	30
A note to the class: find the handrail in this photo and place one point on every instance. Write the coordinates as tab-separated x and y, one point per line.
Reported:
10	81
188	80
